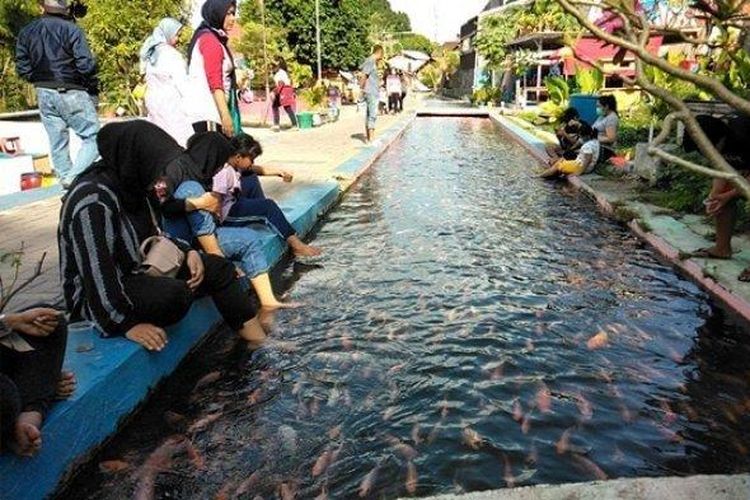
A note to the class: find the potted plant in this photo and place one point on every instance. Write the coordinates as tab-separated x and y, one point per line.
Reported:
590	82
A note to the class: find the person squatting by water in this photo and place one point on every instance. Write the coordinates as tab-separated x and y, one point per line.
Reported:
32	348
105	218
585	162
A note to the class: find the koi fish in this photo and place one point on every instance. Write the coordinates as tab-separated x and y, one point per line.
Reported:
396	368
322	463
346	343
406	451
529	345
563	444
517	410
207	379
544	399
288	491
255	397
323	494
315	406
201	424
598	341
195	457
368	482
589	467
444	408
584	407
159	460
389	412
670	417
335	432
526	424
113	466
533	457
415	435
472	439
411	477
333	396
510	480
497	373
434	433
248	484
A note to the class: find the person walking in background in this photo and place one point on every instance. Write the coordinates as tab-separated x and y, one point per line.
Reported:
53	55
213	100
370	83
166	81
404	90
283	96
393	87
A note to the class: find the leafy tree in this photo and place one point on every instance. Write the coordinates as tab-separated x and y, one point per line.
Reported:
414	41
15	94
344	28
383	19
115	31
498	30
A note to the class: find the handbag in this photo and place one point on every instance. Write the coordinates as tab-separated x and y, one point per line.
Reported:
160	257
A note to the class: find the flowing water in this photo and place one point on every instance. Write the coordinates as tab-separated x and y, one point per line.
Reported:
470	327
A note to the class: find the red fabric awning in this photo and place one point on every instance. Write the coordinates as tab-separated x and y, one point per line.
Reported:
593	49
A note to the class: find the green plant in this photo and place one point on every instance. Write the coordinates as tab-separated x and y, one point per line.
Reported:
558	90
301	74
590	81
486	95
10	287
314	97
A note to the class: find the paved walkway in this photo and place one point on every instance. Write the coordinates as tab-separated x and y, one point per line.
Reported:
311	154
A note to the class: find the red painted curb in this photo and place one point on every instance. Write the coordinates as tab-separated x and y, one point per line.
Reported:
687	267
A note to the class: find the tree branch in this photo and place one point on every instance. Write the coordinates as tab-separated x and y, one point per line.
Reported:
655	151
711	85
5	300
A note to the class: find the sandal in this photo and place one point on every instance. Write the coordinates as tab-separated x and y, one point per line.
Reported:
744	276
706	253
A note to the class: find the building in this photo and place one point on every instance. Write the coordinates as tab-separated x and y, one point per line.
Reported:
465	77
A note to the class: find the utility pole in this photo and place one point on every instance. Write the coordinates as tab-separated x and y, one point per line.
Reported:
317	38
265	55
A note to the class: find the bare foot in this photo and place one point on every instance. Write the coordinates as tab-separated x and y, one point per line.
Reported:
28	438
66	386
305	250
282	305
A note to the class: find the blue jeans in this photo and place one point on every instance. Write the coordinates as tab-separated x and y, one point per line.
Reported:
253	207
239	244
371	117
60	111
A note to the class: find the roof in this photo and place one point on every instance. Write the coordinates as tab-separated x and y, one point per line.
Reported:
548	39
415	54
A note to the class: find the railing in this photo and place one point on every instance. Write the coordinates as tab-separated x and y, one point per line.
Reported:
20	115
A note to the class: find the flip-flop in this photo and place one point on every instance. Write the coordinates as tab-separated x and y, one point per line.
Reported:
705	253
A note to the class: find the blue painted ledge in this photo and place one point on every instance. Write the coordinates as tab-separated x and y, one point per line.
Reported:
115	376
22	198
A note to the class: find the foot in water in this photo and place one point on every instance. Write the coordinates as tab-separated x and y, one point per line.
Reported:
302	249
28	437
66	387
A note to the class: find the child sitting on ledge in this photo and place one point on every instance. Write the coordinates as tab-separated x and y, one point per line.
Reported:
588	156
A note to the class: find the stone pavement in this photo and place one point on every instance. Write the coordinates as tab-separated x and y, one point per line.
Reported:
673	234
311	154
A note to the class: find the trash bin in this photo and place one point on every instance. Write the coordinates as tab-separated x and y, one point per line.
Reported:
585	104
305	120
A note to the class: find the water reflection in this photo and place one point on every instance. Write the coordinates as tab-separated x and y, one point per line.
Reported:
471	328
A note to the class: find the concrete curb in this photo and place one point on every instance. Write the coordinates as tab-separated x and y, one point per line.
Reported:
115	376
735	487
687	267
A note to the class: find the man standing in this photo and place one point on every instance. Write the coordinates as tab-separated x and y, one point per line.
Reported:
370	83
52	54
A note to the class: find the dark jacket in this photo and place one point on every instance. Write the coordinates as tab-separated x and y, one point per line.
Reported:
51	52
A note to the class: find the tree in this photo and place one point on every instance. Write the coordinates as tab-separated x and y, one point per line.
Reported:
632	33
115	31
498	30
344	29
444	64
15	94
383	20
414	41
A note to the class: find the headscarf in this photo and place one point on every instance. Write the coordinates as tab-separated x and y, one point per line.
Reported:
213	13
209	152
163	33
134	154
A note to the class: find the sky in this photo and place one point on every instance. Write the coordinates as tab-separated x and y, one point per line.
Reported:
441	18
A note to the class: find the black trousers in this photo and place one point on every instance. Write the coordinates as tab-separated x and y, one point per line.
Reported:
165	301
28	380
394	103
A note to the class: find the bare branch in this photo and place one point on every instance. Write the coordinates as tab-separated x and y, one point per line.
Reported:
700	169
14	291
711	85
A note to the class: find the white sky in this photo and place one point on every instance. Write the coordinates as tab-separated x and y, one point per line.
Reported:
441	18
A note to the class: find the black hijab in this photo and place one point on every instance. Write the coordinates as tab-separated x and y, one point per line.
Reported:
213	13
135	153
207	153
